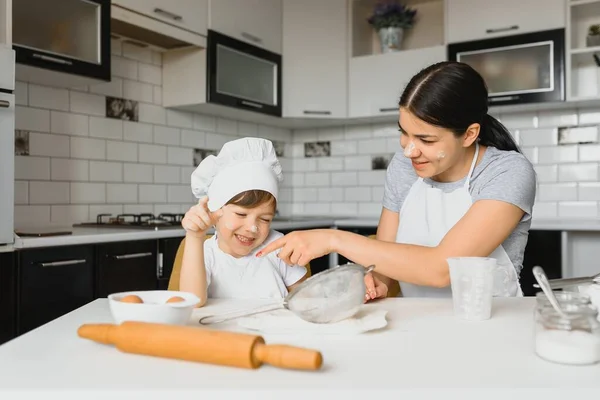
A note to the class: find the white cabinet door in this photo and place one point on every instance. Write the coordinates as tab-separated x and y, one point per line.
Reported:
315	58
257	22
480	19
187	14
376	82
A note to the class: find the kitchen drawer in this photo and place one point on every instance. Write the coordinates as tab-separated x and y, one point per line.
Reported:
53	282
126	266
8	297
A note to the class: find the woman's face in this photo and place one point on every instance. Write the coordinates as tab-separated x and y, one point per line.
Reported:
433	150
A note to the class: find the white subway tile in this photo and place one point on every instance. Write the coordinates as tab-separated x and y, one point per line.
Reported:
180	156
206	123
32	168
86	193
372	146
70	214
106	128
45	144
555	118
574	135
304	164
353	194
589	152
358	132
344	209
293	179
121	151
386	130
180	119
166	208
369	209
195	139
287	164
85	103
589	191
557	192
124	68
304	135
157	96
578	209
102	171
96	209
344	178
48	97
137	53
88	148
140	91
166	174
247	129
180	194
48	192
317	209
116	46
166	135
294	150
531	153
32	119
393	145
186	174
317	179
138	209
578	172
297	208
305	194
285	209
70	124
516	135
357	163
121	193
285	196
371	178
138	173
520	120
330	163
377	194
137	132
65	169
539	137
152	114
216	141
21	192
343	148
589	116
152	194
157	58
152	154
546	173
335	133
545	210
21	93
558	154
150	74
227	126
274	133
114	88
331	194
31	216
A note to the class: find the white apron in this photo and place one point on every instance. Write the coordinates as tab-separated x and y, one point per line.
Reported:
428	214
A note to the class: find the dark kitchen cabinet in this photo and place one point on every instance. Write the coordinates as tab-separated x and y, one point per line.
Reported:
8	297
167	250
318	264
126	266
363	231
52	282
543	249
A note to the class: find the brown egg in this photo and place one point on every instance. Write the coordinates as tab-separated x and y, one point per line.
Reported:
175	299
132	298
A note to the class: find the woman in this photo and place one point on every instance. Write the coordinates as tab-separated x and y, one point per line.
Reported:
460	187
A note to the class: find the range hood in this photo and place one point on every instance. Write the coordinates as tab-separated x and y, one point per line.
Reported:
141	30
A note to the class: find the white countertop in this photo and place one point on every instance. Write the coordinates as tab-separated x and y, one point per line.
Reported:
424	345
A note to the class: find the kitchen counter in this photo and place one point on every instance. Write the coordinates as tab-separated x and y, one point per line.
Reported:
423	346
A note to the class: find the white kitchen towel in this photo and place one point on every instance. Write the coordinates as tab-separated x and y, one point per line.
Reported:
285	322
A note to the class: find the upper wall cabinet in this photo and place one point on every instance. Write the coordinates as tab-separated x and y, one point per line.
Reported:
480	19
315	58
190	15
257	22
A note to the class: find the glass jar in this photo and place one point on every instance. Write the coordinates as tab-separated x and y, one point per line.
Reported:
564	298
574	340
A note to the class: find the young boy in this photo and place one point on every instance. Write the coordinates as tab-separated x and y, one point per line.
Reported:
238	191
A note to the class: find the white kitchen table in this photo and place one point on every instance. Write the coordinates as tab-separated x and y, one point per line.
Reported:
423	346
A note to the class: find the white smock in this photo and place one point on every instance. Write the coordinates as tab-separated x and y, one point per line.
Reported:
427	214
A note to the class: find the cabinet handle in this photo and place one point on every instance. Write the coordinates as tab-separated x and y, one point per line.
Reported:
61	263
159	266
310	112
168	14
251	104
389	109
133	255
505	29
4	104
253	38
52	59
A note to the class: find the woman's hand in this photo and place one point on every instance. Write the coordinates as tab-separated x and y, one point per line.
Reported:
376	289
199	219
300	247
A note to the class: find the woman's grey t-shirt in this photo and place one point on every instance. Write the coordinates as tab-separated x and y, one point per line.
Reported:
500	175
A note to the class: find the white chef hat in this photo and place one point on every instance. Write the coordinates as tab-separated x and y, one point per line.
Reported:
241	165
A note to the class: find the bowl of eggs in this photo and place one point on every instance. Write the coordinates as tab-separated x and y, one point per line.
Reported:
158	306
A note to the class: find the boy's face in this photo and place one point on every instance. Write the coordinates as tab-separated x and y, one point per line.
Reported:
241	230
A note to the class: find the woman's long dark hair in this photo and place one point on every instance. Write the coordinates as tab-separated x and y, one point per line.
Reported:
453	95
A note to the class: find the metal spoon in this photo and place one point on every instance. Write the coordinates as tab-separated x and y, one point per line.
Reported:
542	279
561	283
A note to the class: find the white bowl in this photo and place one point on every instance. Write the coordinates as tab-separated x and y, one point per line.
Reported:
154	309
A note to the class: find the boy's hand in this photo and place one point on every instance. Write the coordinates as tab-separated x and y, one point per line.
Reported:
199	219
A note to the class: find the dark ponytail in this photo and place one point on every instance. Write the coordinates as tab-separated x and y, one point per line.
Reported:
453	95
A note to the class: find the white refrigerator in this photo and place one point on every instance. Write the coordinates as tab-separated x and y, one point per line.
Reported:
7	145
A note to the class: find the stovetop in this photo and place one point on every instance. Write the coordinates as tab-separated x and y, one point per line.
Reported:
135	221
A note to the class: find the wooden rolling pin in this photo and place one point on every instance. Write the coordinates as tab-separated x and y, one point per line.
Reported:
201	345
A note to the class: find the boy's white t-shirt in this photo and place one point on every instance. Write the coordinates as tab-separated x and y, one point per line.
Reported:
249	276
